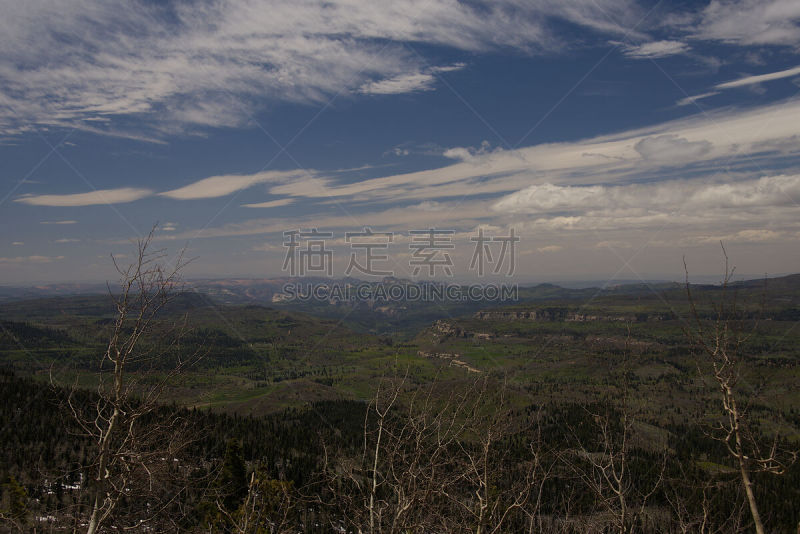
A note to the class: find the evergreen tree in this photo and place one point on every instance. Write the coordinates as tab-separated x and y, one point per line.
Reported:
17	499
233	478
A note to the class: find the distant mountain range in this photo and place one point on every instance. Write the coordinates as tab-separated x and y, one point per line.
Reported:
267	290
399	316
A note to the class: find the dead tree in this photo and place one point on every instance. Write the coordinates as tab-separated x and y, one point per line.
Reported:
134	442
434	459
396	485
498	484
604	467
721	340
269	507
699	519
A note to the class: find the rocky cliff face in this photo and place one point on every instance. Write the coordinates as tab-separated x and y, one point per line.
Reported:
562	314
442	330
453	358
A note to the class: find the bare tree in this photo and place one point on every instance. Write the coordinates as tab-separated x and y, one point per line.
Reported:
397	483
135	441
695	511
605	469
500	483
722	339
270	506
436	459
605	466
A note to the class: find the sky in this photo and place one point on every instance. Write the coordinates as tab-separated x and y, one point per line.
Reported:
613	137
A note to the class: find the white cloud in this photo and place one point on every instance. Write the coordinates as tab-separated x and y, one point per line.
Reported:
654	49
733	136
103	196
404	83
548	197
694	98
448	68
769	191
217	186
761	78
693	209
408	83
58	222
211	187
271	203
468	153
193	65
428	205
400	219
66	240
694	145
17	243
742	82
646	199
663	217
670	148
750	22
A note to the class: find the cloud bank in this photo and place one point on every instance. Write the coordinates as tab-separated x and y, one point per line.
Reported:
696	145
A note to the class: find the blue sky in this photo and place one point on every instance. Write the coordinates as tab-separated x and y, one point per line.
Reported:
613	136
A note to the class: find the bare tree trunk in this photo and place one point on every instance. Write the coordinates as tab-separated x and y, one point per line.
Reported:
103	453
431	462
128	455
722	341
751	498
374	488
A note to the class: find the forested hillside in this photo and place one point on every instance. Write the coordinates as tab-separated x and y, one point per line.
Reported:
546	416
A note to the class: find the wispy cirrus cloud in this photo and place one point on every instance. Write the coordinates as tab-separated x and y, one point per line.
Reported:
749	22
734	136
211	187
217	186
653	49
693	144
743	82
761	78
103	196
694	98
408	83
180	67
271	203
666	176
404	83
